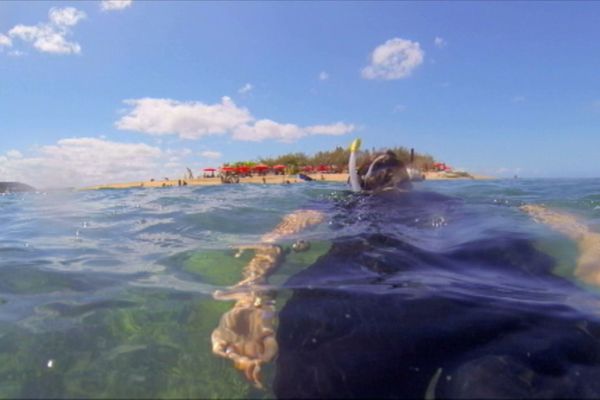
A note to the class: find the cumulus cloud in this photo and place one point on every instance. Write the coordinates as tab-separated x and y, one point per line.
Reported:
51	37
439	42
265	129
68	16
86	161
395	59
189	120
113	5
246	88
14	154
194	120
5	41
337	129
211	154
323	76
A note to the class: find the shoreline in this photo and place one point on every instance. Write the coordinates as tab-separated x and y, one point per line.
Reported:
268	179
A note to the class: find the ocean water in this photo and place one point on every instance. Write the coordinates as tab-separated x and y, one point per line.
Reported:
447	291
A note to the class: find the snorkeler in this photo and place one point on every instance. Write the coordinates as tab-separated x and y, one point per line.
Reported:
312	346
246	333
384	172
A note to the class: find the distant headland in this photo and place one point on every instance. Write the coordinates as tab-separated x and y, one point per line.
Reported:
15	187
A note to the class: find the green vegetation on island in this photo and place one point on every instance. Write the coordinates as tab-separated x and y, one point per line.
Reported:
338	158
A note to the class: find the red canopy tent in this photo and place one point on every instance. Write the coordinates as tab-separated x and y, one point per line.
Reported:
308	168
279	169
441	167
261	169
243	170
323	168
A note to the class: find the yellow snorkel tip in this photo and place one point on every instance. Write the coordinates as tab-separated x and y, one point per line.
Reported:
355	146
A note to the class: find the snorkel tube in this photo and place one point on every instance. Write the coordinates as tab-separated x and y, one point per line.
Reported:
354	181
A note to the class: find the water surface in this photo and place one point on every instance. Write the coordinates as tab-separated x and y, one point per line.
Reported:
108	293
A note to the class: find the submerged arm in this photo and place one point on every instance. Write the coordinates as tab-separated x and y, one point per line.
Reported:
588	242
294	223
246	333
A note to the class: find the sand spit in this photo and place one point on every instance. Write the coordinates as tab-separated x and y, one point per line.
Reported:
268	179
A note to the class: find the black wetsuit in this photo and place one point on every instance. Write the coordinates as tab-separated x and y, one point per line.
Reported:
381	316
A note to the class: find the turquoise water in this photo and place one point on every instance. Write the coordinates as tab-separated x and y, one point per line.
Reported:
109	293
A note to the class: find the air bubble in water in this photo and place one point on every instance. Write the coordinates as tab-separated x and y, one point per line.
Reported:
438	222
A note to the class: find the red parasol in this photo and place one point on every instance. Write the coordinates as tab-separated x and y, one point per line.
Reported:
209	169
261	167
279	166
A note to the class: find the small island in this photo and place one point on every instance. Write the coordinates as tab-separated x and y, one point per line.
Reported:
329	166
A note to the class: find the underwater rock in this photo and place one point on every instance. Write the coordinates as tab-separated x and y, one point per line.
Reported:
15	187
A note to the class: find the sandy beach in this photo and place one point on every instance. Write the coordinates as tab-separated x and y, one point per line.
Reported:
268	179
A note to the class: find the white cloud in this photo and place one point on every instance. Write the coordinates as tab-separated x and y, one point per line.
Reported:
68	16
211	154
265	129
323	76
14	154
336	129
194	120
85	161
112	5
5	41
189	120
50	37
246	88
439	42
395	59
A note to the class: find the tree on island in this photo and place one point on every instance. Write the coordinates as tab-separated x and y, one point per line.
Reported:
338	158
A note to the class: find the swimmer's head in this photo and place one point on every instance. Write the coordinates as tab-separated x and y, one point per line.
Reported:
383	171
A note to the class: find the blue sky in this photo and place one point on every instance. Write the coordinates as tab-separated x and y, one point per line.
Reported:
94	92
